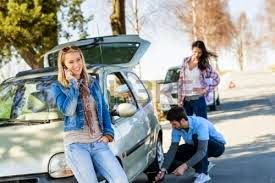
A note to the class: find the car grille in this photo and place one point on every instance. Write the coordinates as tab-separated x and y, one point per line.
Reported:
20	181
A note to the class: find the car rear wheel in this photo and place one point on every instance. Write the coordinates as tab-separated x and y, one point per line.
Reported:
218	102
213	107
153	169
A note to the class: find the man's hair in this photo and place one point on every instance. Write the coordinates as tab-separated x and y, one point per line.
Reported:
176	113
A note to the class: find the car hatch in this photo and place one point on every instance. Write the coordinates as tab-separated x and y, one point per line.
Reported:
122	50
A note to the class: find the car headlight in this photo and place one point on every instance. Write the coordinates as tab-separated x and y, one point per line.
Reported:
58	167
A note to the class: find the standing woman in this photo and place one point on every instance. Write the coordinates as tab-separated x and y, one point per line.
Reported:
197	79
87	123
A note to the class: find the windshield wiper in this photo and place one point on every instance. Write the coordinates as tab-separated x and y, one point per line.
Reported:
4	119
16	122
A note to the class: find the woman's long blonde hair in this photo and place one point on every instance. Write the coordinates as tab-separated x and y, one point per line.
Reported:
60	62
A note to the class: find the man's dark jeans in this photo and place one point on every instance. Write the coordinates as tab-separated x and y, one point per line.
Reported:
186	151
198	107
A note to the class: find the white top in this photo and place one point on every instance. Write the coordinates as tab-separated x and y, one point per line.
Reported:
192	79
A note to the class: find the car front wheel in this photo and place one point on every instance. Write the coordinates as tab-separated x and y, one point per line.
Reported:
153	169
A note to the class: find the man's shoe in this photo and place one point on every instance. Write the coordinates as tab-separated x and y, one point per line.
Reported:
210	166
196	175
202	178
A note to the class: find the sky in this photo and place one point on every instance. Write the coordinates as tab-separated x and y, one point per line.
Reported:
168	44
251	7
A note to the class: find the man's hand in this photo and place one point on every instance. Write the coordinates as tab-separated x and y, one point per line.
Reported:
160	175
180	170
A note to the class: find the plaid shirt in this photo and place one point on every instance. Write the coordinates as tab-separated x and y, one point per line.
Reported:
209	79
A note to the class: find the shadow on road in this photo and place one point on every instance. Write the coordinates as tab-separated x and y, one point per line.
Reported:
245	163
248	163
241	108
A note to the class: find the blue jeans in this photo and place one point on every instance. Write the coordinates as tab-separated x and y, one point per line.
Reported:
198	107
87	159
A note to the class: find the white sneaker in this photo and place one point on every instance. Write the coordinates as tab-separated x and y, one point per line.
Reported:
210	165
202	178
196	175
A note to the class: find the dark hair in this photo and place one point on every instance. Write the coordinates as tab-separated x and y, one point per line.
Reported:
176	113
205	56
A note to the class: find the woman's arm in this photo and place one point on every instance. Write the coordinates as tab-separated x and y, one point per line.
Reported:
211	80
66	103
180	86
108	130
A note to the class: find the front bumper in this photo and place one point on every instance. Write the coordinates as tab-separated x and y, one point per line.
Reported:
36	178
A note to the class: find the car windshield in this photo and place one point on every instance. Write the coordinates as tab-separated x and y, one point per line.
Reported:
172	75
28	100
103	53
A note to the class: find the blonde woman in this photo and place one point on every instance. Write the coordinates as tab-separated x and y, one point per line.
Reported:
87	123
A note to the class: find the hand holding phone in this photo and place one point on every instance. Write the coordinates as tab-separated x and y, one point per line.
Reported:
68	74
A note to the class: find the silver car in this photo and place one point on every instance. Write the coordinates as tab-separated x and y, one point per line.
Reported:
31	128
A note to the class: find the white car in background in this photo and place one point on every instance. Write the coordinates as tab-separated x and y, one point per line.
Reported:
169	91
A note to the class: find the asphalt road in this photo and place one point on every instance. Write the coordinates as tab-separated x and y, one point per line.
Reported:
246	117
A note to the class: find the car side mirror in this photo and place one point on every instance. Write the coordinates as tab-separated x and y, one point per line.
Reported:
124	110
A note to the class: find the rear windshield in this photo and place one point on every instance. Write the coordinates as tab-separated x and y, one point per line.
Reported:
103	53
172	75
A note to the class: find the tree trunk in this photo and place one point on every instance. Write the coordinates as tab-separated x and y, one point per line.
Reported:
136	19
29	56
194	15
118	17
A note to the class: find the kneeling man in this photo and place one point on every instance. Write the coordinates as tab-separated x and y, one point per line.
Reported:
202	141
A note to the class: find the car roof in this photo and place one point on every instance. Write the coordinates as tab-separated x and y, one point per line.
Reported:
49	71
174	67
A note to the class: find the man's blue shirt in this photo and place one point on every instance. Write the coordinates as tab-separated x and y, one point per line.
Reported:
200	126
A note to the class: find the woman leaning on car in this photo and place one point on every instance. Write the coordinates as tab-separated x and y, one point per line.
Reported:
87	122
197	79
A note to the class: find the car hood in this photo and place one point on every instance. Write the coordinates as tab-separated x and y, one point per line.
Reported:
27	149
121	50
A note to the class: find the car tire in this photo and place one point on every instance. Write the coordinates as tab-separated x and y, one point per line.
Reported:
218	102
155	166
213	107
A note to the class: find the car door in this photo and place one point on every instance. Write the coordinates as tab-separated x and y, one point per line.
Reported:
133	131
148	122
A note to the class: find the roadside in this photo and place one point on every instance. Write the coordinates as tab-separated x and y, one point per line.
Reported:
246	119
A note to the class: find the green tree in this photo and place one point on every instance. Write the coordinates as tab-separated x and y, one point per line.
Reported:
29	28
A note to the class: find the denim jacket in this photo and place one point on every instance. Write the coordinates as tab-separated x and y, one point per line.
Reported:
69	102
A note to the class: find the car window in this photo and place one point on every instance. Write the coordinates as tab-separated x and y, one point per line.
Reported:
29	99
7	93
118	91
139	90
172	75
103	53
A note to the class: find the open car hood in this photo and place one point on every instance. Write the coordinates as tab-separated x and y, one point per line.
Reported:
121	50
